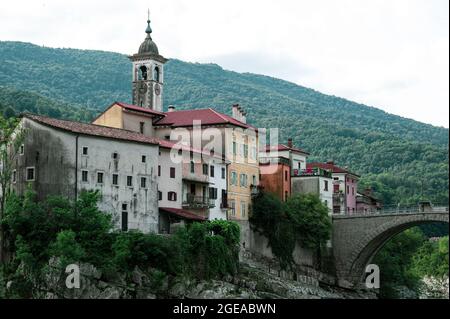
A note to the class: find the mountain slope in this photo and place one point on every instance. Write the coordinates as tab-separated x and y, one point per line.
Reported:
401	158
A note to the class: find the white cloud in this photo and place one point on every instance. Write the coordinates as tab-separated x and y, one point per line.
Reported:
388	54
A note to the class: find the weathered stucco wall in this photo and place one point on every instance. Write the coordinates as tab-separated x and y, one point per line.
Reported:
59	162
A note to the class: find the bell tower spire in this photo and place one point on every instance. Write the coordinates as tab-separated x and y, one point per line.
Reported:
148	73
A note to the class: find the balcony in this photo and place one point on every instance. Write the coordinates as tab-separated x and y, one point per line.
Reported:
311	172
254	190
338	198
197	202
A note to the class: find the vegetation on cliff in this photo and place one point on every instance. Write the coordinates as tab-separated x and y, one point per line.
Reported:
302	219
408	258
80	233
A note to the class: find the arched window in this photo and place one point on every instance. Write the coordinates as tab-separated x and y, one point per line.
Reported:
156	74
142	74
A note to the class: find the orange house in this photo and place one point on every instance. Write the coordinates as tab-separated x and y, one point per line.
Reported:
276	177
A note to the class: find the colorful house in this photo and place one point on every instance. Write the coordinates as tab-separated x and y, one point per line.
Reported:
344	187
278	163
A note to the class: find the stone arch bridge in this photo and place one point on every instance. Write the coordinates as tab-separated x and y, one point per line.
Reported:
357	238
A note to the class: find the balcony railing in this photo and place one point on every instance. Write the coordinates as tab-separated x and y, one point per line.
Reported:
193	201
311	172
254	190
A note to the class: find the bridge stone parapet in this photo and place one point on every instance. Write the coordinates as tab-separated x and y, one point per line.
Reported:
357	238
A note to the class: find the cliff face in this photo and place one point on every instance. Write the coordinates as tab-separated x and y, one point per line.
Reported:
250	283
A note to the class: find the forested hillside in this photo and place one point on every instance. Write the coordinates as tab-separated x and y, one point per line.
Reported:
400	158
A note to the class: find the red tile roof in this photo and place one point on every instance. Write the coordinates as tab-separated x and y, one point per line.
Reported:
184	214
138	108
330	167
185	118
92	129
282	147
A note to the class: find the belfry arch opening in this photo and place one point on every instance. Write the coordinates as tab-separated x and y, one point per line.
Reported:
156	75
142	73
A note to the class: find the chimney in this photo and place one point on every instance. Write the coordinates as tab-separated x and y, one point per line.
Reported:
243	116
171	108
290	145
235	111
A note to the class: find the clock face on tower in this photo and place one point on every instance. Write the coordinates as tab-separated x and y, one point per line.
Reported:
157	89
142	87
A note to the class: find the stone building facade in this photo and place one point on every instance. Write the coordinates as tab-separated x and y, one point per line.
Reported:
64	158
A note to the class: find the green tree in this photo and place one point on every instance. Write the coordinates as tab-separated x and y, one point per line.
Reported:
395	260
310	219
11	137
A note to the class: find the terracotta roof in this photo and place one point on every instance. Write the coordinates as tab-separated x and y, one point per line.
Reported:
185	118
184	214
92	129
330	167
138	108
282	147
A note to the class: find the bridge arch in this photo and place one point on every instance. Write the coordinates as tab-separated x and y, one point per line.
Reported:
357	239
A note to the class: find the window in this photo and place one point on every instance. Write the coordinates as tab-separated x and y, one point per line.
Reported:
326	186
212	193
336	178
233	178
172	196
245	146
99	178
84	176
172	172
348	189
233	208
325	202
22	149
159	170
115	179
30	174
192	167
234	148
286	196
192	189
211	171
254	180
115	155
159	195
144	158
243	178
224	171
124	217
143	182
130	181
353	191
205	169
243	209
285	176
85	150
141	127
14	176
253	153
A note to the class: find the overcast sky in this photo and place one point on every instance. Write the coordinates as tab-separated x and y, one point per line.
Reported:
391	54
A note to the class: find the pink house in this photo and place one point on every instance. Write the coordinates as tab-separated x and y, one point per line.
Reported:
345	185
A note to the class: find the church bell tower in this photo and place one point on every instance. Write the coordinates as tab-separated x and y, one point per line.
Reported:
148	74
